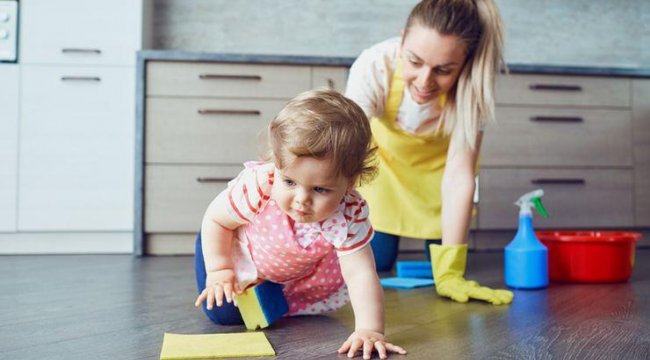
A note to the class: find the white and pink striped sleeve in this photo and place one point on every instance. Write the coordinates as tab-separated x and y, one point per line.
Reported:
360	231
249	191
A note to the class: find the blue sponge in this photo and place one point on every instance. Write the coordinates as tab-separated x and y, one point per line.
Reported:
405	283
414	269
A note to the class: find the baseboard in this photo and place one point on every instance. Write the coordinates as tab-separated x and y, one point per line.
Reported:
66	243
169	244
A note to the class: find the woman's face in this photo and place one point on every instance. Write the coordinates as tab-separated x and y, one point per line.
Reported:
431	62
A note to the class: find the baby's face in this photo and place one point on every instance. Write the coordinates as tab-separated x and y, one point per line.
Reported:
307	191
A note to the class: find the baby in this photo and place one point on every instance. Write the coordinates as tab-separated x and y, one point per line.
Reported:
297	220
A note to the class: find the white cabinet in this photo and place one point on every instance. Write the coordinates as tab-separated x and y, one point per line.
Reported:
8	145
67	146
80	32
76	162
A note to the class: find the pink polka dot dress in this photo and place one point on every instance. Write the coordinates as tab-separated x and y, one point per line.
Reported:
302	256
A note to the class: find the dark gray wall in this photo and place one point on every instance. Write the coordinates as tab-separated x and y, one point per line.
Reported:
559	32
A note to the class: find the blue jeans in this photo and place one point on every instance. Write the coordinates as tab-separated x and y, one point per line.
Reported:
385	247
227	314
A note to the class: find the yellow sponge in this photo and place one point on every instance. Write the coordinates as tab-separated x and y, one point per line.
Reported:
210	346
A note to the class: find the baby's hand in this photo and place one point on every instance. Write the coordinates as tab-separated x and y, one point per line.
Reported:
369	341
218	283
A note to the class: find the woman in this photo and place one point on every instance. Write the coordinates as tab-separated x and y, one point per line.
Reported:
429	94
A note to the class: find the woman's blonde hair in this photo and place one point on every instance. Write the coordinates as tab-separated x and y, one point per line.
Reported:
323	123
470	103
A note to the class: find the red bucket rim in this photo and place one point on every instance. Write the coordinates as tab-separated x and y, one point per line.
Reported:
588	236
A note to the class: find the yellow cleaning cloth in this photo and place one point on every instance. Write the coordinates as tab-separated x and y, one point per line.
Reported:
210	346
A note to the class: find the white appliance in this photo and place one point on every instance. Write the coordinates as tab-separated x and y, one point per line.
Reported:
8	30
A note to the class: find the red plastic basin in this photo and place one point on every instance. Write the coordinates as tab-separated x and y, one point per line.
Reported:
589	256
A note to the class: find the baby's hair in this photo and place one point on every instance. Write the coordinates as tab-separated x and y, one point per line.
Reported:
470	104
323	123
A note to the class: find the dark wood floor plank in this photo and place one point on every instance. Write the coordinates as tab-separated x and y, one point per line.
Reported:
119	307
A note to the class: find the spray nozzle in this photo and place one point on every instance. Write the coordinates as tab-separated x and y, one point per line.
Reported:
528	200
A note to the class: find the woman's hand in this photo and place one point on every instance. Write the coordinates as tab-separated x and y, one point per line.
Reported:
218	283
368	341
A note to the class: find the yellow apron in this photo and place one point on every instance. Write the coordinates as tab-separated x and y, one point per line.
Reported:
405	197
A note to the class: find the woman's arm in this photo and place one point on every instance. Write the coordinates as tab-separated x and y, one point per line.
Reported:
449	259
458	187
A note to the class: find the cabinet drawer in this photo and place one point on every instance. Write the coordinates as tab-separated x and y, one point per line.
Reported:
80	32
207	130
76	148
177	196
331	77
227	80
573	198
562	90
538	136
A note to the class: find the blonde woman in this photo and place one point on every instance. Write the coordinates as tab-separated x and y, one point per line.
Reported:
429	94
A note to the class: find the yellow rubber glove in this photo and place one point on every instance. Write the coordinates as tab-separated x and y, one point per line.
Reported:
448	263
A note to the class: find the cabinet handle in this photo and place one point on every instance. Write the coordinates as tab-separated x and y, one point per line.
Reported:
80	51
228	112
555	87
568	119
554	181
81	78
229	77
330	83
212	179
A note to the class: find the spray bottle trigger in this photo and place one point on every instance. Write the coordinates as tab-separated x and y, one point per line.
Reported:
539	206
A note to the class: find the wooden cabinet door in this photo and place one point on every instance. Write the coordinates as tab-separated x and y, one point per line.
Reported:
531	136
574	198
80	32
178	195
8	146
572	91
225	80
76	149
331	77
208	131
641	138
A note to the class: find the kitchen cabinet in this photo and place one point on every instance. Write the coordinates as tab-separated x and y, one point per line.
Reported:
75	153
80	32
580	138
77	140
584	139
201	121
9	82
641	139
331	77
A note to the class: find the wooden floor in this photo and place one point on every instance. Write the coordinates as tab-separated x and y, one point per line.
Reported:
118	307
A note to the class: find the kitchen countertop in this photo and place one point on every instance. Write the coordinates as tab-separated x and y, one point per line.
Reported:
174	55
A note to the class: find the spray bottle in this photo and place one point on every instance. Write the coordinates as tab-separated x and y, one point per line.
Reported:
526	258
